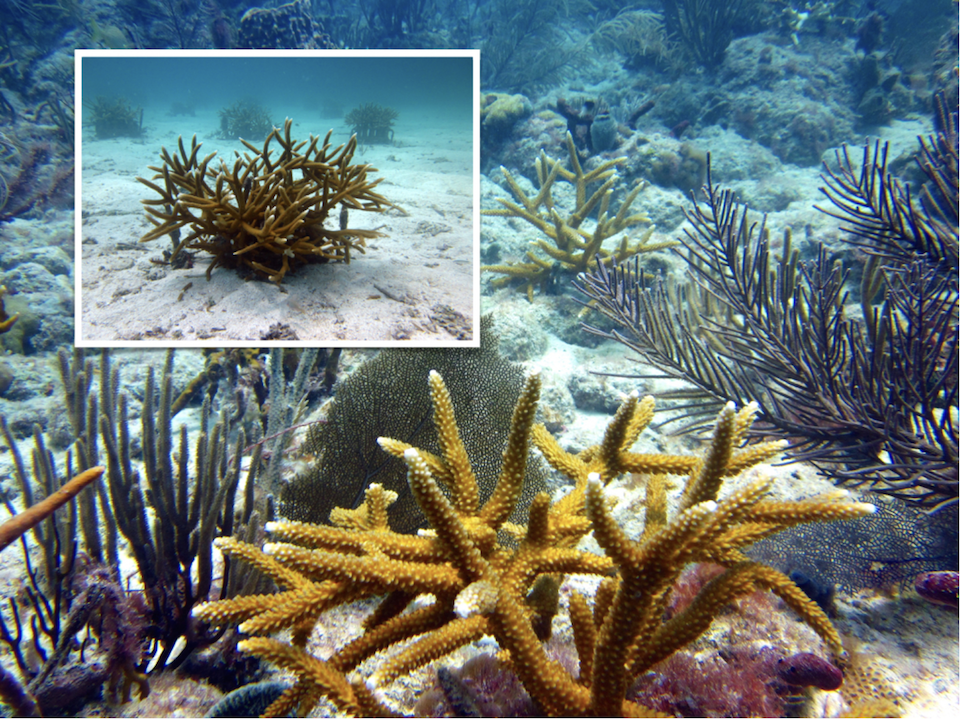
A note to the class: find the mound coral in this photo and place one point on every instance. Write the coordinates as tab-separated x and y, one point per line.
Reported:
264	214
484	586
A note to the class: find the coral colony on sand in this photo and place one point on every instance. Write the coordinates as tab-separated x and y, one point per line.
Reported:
265	214
483	585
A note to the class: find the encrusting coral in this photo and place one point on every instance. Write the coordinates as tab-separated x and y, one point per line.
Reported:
484	586
264	214
571	246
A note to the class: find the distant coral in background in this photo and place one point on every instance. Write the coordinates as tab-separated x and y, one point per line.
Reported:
285	27
244	119
372	123
265	214
114	118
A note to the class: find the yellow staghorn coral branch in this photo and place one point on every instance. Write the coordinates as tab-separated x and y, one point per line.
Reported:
481	586
707	477
510	483
393	631
433	646
568	244
464	486
377	573
444	519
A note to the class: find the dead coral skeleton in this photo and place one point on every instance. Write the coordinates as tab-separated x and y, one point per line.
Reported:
482	586
264	214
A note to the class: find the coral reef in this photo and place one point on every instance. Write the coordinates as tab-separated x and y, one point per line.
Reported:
483	586
264	214
244	119
571	247
372	123
283	27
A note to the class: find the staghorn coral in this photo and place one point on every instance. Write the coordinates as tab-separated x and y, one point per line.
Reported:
372	123
570	246
265	214
244	118
484	388
481	586
115	118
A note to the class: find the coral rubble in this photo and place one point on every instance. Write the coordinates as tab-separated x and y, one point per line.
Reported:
264	214
483	586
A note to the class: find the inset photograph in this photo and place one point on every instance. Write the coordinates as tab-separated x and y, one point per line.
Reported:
323	198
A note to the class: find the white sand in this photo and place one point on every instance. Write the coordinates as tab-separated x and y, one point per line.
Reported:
408	286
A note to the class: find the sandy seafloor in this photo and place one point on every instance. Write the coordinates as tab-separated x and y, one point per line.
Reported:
416	283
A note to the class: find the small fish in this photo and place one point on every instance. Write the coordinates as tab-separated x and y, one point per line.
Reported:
809	670
939	587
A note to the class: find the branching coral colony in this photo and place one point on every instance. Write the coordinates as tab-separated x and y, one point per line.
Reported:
481	586
264	214
571	246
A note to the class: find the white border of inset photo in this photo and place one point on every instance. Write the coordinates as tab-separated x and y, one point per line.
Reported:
110	228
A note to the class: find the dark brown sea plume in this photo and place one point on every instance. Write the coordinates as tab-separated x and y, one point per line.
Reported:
871	402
